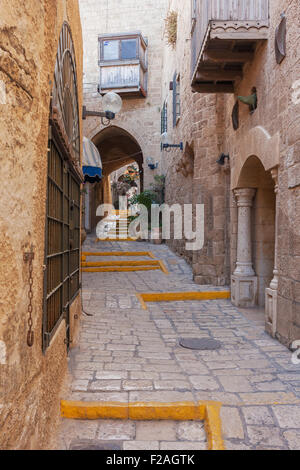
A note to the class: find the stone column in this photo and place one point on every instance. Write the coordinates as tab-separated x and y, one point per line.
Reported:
244	281
271	293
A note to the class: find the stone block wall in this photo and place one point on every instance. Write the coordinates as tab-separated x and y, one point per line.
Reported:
140	117
30	381
271	134
278	114
200	126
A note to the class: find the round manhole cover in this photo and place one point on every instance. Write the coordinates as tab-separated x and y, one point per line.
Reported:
200	344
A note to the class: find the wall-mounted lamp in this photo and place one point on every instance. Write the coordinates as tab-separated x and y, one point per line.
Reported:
221	160
151	164
250	100
168	147
112	105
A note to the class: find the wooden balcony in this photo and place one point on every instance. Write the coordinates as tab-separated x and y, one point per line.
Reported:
225	35
123	64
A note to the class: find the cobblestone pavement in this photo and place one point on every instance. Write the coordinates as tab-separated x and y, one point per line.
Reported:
129	354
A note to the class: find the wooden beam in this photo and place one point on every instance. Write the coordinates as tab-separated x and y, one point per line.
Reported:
224	55
212	88
259	35
218	75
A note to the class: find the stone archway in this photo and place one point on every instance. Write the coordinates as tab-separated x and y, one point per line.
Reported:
256	142
258	161
117	148
256	263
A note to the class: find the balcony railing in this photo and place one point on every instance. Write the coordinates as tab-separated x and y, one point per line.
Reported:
224	37
123	64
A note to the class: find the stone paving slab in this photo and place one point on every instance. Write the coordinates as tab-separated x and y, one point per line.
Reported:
132	435
129	354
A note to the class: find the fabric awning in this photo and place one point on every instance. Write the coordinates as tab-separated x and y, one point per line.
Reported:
92	163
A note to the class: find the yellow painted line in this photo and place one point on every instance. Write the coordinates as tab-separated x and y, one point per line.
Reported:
99	264
140	298
181	296
208	411
119	253
116	240
213	427
163	267
120	269
180	411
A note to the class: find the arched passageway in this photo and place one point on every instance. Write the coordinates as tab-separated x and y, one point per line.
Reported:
117	148
256	234
253	175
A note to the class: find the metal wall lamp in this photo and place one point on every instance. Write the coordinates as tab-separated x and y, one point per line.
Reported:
151	164
168	147
221	160
111	103
250	100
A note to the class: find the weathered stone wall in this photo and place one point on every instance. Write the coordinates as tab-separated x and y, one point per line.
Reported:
201	126
278	113
30	382
271	134
140	117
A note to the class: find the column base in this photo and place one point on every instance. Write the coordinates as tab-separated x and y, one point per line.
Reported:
244	291
271	312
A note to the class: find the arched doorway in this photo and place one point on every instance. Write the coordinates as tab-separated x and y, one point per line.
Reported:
255	269
253	175
117	148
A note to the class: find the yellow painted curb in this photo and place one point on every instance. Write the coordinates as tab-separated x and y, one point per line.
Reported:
181	296
208	411
163	267
213	427
118	253
178	411
90	410
123	266
120	269
117	240
140	298
99	264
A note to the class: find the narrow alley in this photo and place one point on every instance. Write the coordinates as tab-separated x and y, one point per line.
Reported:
128	354
149	227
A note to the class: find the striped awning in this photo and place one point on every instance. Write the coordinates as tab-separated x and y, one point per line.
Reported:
92	163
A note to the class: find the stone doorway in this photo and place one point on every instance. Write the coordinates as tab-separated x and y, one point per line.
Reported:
256	228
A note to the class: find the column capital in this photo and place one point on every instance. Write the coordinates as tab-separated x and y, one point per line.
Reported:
244	196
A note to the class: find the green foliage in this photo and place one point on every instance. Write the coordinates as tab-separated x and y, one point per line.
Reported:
147	198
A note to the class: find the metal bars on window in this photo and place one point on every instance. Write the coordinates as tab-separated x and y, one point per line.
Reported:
176	99
62	255
164	118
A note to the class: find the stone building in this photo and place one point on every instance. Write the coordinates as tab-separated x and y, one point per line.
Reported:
192	175
40	70
251	198
123	53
